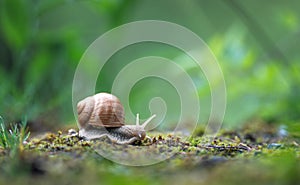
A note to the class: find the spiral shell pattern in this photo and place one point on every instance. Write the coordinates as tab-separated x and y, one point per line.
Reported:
102	109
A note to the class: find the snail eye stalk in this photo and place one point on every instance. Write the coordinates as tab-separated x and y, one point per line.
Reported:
148	120
137	122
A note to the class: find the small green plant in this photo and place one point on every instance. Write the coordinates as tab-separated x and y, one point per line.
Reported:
13	137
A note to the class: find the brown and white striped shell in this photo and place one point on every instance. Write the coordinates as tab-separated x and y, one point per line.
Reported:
100	110
102	115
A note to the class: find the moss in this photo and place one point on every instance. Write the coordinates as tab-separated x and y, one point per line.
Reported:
66	158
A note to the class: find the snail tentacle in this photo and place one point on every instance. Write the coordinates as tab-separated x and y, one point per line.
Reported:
148	120
102	115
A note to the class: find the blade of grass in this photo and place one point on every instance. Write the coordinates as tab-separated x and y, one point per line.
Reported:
14	137
3	133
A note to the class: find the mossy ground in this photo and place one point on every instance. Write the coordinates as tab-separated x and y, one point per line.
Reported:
253	155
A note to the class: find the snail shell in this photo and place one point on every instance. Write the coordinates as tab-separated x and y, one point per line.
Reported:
103	115
102	109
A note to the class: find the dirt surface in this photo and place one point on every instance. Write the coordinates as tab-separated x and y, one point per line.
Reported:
252	155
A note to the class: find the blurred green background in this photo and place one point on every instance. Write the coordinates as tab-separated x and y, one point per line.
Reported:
255	42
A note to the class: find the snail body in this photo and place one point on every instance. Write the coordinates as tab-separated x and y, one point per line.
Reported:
102	115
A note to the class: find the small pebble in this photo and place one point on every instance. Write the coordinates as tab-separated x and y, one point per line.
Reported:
72	132
282	131
295	143
274	146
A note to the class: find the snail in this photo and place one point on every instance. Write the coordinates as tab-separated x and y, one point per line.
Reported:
102	115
